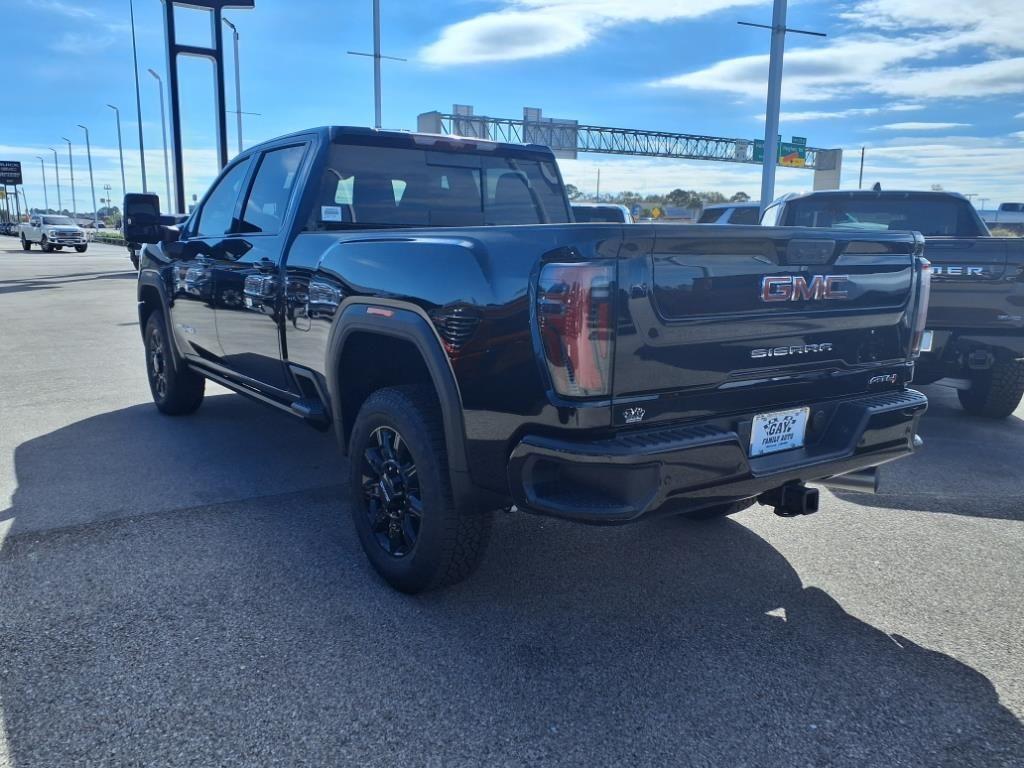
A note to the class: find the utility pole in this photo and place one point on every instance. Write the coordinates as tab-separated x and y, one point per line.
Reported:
120	150
376	56
860	180
982	200
163	127
138	99
238	84
771	123
56	170
92	184
46	194
71	165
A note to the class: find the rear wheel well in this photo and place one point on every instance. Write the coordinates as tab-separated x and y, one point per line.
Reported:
149	302
372	361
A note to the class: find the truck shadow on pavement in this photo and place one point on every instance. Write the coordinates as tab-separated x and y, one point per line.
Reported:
252	631
968	466
58	281
136	461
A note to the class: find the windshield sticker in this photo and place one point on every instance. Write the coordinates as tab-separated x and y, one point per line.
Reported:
330	213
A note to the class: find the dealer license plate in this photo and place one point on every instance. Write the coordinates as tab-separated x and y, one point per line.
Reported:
778	431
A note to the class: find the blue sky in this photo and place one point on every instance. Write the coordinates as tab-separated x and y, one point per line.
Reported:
933	89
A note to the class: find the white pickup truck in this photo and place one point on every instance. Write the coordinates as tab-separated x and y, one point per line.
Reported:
52	232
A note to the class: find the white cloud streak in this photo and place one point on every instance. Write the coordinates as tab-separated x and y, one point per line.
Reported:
911	126
528	29
797	117
894	50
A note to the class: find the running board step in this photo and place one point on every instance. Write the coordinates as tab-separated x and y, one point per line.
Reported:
311	410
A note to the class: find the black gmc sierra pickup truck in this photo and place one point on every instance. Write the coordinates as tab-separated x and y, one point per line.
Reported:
975	333
431	299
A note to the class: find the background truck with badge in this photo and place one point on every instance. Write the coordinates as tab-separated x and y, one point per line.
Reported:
974	340
431	300
51	232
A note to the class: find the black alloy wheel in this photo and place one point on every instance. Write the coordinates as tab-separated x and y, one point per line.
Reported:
157	363
176	389
391	491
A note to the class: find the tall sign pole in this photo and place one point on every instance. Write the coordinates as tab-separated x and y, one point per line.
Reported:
773	107
120	150
771	121
138	99
56	171
46	194
71	165
238	84
216	55
376	56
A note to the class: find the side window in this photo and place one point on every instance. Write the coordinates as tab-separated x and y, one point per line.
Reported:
743	216
219	208
271	190
771	216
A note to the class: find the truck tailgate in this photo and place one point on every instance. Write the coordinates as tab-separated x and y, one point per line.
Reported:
757	315
974	286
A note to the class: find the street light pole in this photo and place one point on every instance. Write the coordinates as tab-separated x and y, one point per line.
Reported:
46	194
120	150
376	56
56	170
71	165
92	184
138	98
376	64
238	84
771	123
773	107
163	127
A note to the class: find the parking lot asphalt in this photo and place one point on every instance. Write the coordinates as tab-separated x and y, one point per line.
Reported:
190	592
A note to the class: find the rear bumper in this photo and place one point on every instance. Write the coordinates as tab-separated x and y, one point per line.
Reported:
636	473
950	346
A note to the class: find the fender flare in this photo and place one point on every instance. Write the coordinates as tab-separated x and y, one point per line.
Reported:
408	323
149	278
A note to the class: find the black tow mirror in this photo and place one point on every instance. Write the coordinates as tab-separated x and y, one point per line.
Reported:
142	218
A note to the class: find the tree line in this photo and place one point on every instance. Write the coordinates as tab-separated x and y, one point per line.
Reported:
680	198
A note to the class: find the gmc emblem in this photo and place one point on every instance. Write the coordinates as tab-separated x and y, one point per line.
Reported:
796	287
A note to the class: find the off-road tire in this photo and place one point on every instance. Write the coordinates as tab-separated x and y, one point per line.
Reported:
81	248
450	541
176	391
26	245
995	393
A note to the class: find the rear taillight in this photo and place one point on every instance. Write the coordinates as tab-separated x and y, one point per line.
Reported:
924	290
575	317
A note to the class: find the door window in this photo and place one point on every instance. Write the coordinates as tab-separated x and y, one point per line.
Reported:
219	209
271	190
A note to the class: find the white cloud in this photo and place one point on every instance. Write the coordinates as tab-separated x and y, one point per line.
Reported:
820	73
1020	116
527	29
65	9
889	52
797	117
920	126
78	44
